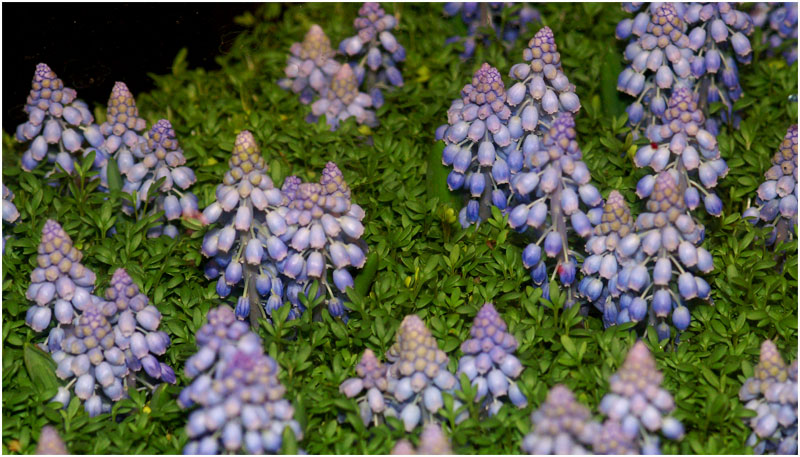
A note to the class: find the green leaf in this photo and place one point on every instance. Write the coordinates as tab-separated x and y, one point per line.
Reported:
113	176
41	368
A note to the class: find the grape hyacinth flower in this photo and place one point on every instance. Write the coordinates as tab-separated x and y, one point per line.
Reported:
638	406
718	36
342	99
322	237
659	53
10	212
682	142
164	159
136	330
489	362
432	441
561	425
50	442
414	382
779	20
772	394
375	46
478	16
311	65
245	238
478	145
123	139
60	284
371	379
661	260
551	192
57	123
601	266
235	389
776	200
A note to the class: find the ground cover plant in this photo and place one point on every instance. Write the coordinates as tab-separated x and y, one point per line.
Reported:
403	325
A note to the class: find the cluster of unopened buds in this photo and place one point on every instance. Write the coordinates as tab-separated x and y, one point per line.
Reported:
376	46
334	88
779	20
481	16
57	124
432	441
637	409
277	241
776	200
489	361
692	45
97	343
411	387
238	400
772	393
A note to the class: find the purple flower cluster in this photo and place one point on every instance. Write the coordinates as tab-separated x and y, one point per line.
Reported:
57	123
772	394
478	145
681	142
60	284
561	425
637	408
432	441
411	387
311	65
659	263
478	16
489	361
50	442
781	20
235	386
375	45
342	99
691	45
776	202
164	159
106	343
277	241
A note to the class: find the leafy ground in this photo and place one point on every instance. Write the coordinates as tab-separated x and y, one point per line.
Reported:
426	264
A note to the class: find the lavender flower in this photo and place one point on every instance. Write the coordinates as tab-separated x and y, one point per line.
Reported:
376	46
342	100
60	284
413	384
601	266
164	159
123	140
551	190
680	141
478	145
772	394
478	16
432	441
311	65
776	200
659	53
240	404
637	408
489	362
50	442
779	20
561	425
660	262
57	123
719	36
246	234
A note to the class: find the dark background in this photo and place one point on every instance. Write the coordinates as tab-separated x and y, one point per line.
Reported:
89	46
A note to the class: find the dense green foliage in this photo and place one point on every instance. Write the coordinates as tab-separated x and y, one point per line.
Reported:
420	260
